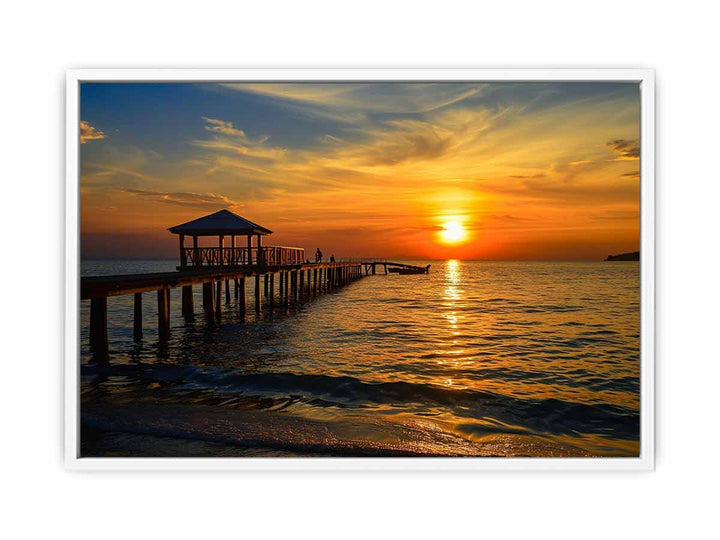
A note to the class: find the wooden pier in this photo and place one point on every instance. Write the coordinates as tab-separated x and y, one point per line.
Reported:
296	283
217	270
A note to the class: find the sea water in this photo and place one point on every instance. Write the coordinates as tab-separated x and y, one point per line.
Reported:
473	359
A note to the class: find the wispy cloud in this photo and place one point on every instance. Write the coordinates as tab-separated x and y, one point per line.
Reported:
394	98
625	148
221	126
89	133
180	198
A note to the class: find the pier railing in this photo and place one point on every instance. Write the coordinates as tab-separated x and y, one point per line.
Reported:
241	256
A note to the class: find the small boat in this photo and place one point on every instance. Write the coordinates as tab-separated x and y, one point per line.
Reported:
415	270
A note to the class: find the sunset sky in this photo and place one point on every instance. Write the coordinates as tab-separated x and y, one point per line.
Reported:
543	171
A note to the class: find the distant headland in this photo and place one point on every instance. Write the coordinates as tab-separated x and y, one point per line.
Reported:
634	256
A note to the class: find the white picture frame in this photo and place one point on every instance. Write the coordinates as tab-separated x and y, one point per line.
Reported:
644	462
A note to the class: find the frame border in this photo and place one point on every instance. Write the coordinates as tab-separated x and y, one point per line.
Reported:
646	460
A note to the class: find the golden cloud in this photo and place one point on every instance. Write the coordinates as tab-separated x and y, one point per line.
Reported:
89	133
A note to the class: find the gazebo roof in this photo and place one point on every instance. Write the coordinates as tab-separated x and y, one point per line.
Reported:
222	222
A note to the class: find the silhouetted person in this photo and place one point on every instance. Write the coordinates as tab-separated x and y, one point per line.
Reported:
318	255
332	258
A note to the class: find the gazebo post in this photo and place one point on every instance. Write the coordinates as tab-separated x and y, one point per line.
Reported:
183	261
221	244
196	251
261	256
232	252
249	254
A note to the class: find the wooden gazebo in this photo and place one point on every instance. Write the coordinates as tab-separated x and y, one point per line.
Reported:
227	224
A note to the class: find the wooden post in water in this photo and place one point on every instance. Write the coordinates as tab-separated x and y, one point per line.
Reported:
187	302
163	296
227	291
241	296
315	277
183	261
281	288
98	329
286	298
237	289
208	300
267	281
272	290
218	299
137	317
257	293
301	281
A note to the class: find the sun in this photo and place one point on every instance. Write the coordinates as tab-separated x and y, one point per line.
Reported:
453	232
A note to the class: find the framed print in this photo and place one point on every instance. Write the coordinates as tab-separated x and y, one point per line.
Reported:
360	269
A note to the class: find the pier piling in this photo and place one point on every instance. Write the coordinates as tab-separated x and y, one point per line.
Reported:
137	317
257	293
242	296
163	296
187	302
286	294
208	301
218	299
98	329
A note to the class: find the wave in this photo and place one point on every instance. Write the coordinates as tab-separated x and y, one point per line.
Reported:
551	415
239	431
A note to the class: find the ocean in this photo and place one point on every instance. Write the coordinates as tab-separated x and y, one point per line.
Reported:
537	359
